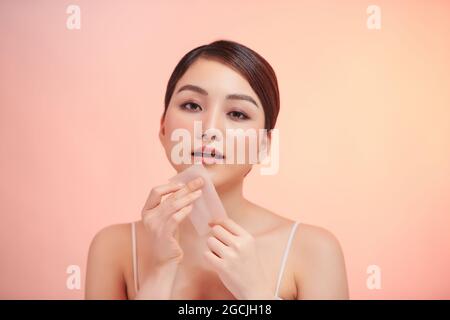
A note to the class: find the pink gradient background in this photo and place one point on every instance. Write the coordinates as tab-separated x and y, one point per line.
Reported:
364	128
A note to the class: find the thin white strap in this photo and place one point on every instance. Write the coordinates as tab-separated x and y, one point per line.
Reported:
283	263
133	241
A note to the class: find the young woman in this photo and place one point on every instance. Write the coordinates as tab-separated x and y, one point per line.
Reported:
255	253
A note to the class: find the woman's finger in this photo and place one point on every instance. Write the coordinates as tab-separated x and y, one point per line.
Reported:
173	205
223	235
177	217
156	194
233	227
217	247
192	185
214	260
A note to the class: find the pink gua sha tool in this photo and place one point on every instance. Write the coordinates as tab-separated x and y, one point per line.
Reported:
208	208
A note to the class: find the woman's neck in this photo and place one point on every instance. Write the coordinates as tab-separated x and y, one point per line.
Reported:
232	199
237	207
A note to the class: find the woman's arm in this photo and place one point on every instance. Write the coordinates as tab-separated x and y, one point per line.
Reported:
321	265
104	274
105	268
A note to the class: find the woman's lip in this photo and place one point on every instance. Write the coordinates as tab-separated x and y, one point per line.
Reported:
206	155
206	151
207	159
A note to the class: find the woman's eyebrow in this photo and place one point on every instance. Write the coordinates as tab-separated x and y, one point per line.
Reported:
193	88
234	96
242	97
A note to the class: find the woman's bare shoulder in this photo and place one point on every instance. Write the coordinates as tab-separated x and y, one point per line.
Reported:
311	244
113	234
106	265
313	241
112	241
319	263
312	235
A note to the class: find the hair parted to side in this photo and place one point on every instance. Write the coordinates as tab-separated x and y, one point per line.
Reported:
252	66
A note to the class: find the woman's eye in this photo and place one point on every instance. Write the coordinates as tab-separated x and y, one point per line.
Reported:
190	106
238	115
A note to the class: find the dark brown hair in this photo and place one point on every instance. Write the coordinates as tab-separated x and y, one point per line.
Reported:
253	67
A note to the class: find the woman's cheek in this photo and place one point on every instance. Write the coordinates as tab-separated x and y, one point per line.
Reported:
180	122
171	146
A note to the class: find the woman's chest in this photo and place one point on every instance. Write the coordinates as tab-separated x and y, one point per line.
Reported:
196	280
196	283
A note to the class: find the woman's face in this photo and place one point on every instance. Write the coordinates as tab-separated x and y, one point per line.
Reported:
219	98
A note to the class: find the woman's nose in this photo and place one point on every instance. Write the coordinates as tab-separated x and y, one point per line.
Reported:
212	126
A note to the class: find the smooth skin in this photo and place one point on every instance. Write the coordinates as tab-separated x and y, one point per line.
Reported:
241	256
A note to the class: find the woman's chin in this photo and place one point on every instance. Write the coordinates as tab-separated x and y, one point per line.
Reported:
221	175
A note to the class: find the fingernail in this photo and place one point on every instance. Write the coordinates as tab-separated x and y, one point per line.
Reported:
198	192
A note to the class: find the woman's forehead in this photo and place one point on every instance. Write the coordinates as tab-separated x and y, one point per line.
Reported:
215	77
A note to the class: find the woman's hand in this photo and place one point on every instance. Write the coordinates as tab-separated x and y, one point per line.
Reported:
233	255
162	217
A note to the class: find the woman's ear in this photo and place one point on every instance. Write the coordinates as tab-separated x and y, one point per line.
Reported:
264	145
162	129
